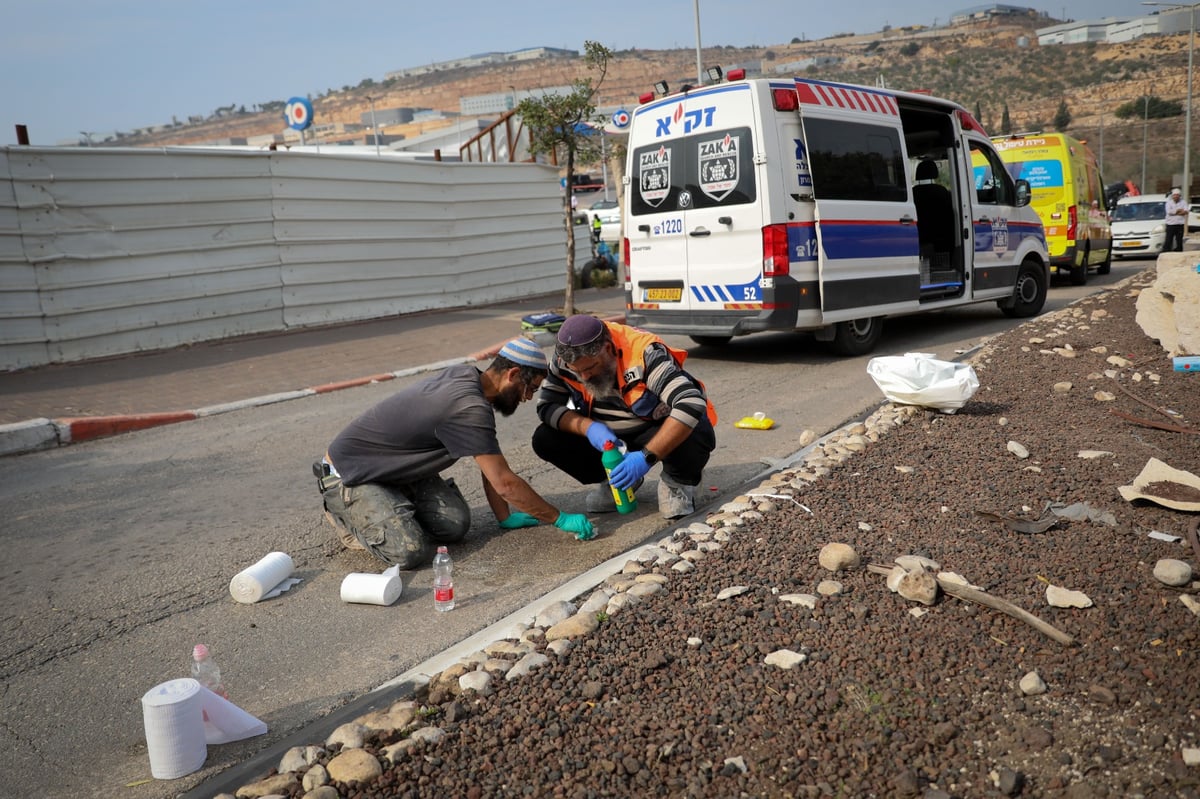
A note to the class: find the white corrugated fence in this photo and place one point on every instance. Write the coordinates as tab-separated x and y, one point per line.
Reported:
105	251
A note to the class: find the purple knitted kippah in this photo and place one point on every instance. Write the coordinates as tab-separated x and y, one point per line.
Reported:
579	330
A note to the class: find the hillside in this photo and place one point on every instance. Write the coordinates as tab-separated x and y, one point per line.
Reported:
981	66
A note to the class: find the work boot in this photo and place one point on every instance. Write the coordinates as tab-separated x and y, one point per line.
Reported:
674	500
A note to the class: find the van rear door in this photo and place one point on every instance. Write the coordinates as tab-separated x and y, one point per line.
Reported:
694	212
865	217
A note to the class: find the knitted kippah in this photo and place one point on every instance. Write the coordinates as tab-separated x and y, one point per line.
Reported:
580	329
524	352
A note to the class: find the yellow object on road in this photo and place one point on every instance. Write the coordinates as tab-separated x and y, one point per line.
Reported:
758	421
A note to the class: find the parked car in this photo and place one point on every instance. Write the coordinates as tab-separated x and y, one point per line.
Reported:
610	224
1138	227
1193	222
585	214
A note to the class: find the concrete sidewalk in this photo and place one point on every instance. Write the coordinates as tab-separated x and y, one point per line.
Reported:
60	404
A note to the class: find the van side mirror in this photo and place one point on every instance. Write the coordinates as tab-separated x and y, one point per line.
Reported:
1023	192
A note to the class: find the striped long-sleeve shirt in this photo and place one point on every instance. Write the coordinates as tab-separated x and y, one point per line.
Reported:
679	395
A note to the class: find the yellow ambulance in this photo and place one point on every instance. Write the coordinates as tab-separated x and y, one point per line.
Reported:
1068	195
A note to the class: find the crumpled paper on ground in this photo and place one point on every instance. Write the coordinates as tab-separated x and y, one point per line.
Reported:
1161	484
917	378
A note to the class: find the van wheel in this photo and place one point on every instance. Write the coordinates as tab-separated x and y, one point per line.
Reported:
711	341
1079	271
1029	295
1106	267
856	337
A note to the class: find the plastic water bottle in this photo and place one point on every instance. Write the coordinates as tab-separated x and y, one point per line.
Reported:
206	672
626	500
443	580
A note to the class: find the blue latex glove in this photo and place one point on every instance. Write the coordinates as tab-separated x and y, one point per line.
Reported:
517	519
598	433
576	523
629	471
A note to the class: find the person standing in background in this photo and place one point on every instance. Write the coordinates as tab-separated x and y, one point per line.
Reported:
1176	220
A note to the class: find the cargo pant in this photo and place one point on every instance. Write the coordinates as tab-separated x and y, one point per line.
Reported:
399	523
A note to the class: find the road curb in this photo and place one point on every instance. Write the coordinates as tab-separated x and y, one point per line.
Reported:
33	435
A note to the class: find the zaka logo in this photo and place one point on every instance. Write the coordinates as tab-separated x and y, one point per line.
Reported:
718	160
654	175
1000	235
692	120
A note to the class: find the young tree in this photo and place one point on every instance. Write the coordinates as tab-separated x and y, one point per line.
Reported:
1005	121
561	124
1062	117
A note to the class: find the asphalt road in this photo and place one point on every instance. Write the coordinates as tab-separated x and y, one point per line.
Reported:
120	553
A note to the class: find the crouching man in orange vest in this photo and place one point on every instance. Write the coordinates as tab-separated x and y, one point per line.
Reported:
611	382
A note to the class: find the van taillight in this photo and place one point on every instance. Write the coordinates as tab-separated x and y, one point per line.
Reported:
625	254
785	99
1072	221
775	251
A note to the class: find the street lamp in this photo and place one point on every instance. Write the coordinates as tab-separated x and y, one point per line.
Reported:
1145	118
374	127
1187	130
699	68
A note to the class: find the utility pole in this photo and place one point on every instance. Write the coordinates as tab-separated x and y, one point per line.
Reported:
699	63
374	127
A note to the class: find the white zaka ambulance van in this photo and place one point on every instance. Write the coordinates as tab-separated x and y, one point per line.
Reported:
795	204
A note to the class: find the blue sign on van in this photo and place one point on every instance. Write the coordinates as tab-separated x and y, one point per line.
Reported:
1042	174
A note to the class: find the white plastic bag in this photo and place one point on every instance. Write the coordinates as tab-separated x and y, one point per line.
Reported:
917	378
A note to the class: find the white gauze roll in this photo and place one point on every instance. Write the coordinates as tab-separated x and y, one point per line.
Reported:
372	589
250	585
174	722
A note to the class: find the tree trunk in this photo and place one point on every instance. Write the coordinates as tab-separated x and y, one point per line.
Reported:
569	294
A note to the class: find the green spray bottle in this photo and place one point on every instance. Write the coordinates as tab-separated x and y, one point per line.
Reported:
626	500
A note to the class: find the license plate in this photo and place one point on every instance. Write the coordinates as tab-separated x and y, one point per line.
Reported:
664	295
1129	244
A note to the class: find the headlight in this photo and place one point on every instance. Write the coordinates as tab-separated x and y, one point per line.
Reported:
1159	228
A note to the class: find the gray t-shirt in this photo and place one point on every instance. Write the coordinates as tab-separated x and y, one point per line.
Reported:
418	432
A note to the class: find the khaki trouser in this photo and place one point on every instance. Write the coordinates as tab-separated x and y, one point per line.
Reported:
398	523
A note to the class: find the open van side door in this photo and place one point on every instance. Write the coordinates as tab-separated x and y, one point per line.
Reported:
866	224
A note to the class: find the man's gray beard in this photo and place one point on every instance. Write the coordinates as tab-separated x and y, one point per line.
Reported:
603	388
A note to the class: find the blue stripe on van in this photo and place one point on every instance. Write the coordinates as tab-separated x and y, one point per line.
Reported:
802	242
868	239
729	292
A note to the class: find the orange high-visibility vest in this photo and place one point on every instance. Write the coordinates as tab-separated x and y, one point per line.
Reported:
630	344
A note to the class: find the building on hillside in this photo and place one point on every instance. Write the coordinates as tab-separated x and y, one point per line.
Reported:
389	116
481	60
991	11
804	64
1092	30
1126	30
1118	29
499	102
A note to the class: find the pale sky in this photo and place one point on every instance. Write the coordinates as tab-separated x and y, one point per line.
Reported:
68	66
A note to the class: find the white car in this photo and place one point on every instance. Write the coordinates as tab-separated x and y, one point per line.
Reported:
610	225
1193	222
1138	227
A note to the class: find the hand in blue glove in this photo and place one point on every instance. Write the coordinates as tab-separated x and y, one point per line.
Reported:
629	471
598	433
517	519
576	523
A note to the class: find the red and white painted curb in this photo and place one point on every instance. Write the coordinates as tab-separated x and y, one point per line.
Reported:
38	434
